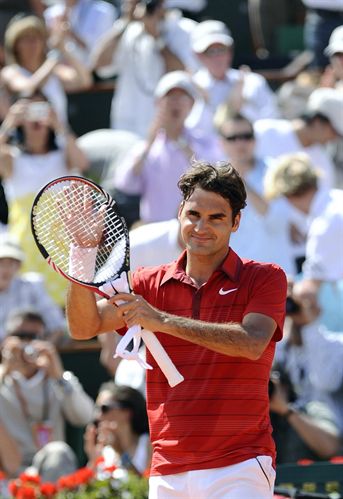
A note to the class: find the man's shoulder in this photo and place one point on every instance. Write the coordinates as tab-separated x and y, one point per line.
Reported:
262	270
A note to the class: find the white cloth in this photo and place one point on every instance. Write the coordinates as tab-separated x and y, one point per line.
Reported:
228	482
54	92
154	244
264	238
324	248
32	171
140	66
275	138
259	100
28	291
336	5
89	19
191	5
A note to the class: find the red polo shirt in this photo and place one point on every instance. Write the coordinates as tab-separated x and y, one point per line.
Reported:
220	414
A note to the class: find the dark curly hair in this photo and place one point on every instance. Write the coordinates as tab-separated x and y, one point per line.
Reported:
221	178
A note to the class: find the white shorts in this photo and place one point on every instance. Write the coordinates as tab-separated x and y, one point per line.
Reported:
253	479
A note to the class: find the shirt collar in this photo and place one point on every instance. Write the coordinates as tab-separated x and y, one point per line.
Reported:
231	266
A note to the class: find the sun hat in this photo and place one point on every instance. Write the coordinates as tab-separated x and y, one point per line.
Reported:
329	103
209	32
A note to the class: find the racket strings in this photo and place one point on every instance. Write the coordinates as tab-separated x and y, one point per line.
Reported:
74	213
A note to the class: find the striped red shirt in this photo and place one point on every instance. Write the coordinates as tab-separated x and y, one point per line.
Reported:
220	414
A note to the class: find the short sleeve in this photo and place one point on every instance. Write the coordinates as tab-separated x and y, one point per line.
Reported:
268	296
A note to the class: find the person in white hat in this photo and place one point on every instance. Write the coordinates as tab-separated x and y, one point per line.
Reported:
26	290
247	92
153	168
334	51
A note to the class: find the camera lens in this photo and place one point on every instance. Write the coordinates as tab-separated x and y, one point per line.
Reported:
30	353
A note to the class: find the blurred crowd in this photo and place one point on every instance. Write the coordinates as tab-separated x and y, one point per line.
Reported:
177	97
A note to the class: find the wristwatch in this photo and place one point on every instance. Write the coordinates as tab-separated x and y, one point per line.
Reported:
63	383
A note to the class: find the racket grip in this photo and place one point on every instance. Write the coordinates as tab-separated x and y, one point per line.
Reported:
165	363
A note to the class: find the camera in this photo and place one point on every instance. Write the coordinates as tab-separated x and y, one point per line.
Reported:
37	111
151	6
292	307
30	353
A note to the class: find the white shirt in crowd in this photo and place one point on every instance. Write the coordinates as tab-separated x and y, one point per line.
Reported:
259	100
140	66
324	247
324	4
275	138
89	20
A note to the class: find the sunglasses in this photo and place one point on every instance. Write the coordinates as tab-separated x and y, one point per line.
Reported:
105	408
239	136
25	335
212	51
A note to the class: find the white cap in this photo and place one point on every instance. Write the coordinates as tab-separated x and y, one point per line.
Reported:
9	248
209	32
329	103
335	42
175	79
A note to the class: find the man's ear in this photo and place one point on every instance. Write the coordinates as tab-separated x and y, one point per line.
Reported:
236	222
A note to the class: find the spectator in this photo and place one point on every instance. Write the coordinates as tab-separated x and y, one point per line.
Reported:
10	457
46	150
271	241
26	290
295	178
154	169
85	21
37	396
244	91
121	424
334	51
300	431
322	17
322	123
31	66
142	53
8	9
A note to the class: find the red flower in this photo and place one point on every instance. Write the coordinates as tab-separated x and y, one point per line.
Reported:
110	469
83	475
146	473
26	493
99	460
337	460
2	475
13	487
48	489
66	482
26	477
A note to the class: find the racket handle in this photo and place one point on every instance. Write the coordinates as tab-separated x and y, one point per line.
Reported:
165	363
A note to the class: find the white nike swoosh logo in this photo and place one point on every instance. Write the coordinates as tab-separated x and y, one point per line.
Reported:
226	291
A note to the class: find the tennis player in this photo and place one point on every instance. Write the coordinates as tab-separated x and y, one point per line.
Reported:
218	316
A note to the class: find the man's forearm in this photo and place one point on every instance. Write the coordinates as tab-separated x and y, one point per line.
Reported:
82	313
105	50
229	338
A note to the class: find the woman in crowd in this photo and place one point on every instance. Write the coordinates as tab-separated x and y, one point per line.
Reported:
31	66
45	149
120	431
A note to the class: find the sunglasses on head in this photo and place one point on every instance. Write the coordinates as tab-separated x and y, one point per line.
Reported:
239	136
25	335
105	408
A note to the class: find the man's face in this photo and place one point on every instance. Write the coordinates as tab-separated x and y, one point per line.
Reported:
237	139
177	105
206	224
8	270
217	58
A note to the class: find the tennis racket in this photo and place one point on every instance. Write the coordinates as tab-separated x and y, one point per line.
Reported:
78	231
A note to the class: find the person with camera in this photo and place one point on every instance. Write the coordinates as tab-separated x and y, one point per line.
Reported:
304	424
141	47
35	147
120	431
37	397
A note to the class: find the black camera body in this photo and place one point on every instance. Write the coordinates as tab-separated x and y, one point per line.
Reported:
151	6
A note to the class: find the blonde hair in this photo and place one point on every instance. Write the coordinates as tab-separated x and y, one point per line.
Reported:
292	176
15	29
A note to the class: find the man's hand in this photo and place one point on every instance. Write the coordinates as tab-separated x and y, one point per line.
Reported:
135	310
12	354
48	359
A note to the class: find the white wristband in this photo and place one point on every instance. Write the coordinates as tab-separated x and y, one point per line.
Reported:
82	263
